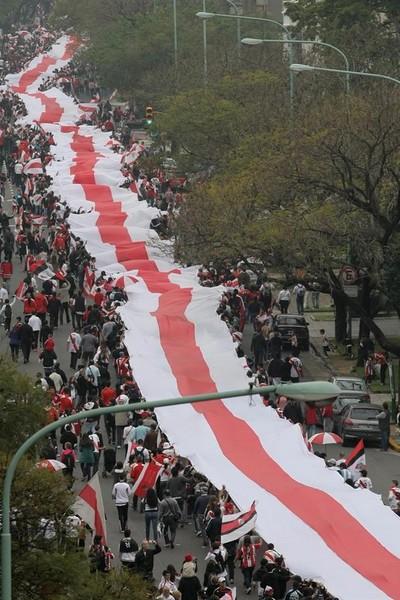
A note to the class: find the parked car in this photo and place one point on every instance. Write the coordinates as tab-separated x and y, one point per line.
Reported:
353	387
358	420
340	403
287	325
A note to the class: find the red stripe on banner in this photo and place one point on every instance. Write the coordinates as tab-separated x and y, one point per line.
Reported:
341	532
230	526
89	495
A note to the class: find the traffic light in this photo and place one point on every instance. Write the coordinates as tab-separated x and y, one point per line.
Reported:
149	115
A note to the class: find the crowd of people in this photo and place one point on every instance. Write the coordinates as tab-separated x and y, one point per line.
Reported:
21	44
61	288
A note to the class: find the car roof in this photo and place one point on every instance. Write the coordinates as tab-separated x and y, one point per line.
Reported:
366	405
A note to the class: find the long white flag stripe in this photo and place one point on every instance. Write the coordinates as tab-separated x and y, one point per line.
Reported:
178	346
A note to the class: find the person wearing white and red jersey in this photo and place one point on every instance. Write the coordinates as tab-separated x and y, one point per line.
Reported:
247	556
394	495
364	482
122	367
271	554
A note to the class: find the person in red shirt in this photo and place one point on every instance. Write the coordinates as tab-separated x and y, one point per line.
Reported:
49	343
327	416
247	557
59	243
6	270
29	305
98	297
41	305
311	419
108	395
66	403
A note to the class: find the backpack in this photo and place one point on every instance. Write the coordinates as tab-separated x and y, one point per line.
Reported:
140	452
301	291
219	562
69	461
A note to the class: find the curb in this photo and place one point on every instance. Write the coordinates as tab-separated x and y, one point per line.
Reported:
322	359
394	444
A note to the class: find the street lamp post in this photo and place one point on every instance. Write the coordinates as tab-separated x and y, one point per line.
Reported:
308	392
290	41
297	68
209	15
175	39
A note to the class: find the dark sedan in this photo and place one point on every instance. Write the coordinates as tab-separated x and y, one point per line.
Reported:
289	325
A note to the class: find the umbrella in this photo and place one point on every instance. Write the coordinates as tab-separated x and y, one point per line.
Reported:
325	438
51	465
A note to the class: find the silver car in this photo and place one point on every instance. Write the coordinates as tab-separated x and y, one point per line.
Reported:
353	387
358	420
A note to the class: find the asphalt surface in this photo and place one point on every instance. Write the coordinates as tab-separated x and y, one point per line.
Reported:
382	467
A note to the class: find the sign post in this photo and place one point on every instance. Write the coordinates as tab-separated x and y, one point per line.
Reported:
349	277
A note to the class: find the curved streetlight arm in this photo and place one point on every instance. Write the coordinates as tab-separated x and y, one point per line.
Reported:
312	391
358	73
206	15
256	41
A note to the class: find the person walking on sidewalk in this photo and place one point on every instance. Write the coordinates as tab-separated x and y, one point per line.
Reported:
120	493
284	300
299	292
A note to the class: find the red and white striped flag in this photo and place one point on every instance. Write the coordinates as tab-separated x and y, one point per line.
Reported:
88	282
89	506
356	459
20	291
33	167
236	525
28	186
147	479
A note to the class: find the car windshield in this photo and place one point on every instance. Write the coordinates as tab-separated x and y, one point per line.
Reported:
364	414
350	385
291	321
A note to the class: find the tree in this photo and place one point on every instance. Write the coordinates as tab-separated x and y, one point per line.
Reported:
45	565
21	404
366	29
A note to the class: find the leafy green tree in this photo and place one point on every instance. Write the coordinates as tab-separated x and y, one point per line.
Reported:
21	408
366	29
45	565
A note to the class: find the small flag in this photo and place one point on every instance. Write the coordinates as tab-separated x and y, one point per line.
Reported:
89	506
147	479
45	274
88	282
236	525
33	167
21	290
50	465
356	459
37	265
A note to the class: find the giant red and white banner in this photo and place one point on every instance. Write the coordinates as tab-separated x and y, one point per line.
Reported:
178	346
